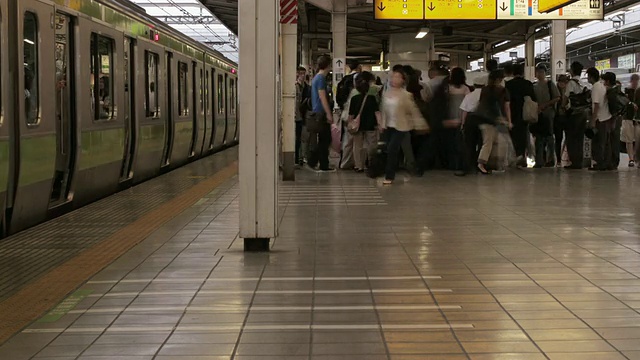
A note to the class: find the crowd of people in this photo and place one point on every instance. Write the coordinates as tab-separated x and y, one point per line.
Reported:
444	123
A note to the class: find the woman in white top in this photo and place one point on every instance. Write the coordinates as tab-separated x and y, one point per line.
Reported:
401	115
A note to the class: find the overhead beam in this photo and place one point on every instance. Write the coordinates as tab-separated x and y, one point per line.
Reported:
188	20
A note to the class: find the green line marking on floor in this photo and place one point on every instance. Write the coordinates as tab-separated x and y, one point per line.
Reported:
65	306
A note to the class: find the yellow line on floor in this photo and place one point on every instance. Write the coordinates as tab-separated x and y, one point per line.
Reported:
39	296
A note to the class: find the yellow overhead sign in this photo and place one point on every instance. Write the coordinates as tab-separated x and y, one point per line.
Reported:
536	10
550	5
460	9
399	9
489	9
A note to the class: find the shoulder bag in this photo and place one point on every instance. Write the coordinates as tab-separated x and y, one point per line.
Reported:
354	124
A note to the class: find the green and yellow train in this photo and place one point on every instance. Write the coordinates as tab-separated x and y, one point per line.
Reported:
96	96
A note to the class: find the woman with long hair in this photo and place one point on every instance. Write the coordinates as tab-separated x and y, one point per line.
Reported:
364	110
401	115
494	109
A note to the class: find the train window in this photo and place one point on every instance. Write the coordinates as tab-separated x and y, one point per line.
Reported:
31	76
101	72
183	99
152	104
232	96
220	89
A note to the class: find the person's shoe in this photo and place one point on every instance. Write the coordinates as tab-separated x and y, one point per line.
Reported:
325	170
460	173
632	163
573	167
359	170
596	168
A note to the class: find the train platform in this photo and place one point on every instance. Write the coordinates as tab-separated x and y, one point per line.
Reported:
529	264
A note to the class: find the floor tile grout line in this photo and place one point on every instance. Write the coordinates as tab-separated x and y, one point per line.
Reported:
503	308
435	300
150	282
375	308
552	295
246	318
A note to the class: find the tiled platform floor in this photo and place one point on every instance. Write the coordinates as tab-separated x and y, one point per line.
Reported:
529	264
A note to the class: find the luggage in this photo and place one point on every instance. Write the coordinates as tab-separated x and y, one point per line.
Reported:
530	110
377	161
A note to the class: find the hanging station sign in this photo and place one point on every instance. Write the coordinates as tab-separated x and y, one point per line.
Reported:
489	9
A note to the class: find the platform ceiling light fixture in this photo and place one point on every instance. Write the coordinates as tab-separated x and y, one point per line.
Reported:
422	33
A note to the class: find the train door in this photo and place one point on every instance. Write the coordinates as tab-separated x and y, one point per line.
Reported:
126	172
196	91
170	106
5	107
65	118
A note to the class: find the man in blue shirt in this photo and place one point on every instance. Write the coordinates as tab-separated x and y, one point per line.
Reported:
319	119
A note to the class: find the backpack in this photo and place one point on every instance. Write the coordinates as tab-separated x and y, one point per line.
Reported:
343	90
617	101
581	100
438	107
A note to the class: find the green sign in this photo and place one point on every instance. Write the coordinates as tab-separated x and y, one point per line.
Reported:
65	306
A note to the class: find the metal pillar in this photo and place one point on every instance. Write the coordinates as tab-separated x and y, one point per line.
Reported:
530	56
258	122
339	40
289	41
558	48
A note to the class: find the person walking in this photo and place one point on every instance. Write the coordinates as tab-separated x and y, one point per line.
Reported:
364	112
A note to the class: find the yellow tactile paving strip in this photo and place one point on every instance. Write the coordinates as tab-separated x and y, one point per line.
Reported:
35	299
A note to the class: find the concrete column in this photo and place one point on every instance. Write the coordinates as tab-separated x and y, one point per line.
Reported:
339	41
405	49
558	48
258	169
458	60
530	56
487	55
313	43
289	41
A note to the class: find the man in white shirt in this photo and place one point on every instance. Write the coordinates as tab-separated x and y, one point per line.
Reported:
470	127
602	121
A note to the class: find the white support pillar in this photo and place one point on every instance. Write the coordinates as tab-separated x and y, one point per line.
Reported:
530	56
558	48
305	50
339	40
405	49
289	54
258	169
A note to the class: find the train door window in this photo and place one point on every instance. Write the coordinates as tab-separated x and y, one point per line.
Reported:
200	88
183	99
220	89
206	92
102	89
232	96
31	65
152	104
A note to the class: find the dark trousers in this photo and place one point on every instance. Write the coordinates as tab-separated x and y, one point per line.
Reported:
558	131
394	142
574	132
544	148
520	137
615	142
299	126
472	143
319	140
603	144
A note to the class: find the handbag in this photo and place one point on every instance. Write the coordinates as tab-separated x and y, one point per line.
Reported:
530	110
354	124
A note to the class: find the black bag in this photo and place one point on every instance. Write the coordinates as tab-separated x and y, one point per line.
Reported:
344	90
377	161
617	101
305	100
581	100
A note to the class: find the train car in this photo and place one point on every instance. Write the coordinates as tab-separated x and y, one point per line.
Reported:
96	96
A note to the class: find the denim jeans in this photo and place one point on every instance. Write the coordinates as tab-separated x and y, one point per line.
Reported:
394	142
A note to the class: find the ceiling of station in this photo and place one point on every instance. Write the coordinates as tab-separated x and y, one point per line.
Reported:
365	37
193	19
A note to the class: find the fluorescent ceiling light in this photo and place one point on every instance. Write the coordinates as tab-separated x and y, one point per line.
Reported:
29	42
423	32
